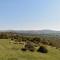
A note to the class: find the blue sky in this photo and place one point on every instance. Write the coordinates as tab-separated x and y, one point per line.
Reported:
29	14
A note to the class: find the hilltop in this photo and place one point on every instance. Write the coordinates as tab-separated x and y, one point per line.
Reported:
13	52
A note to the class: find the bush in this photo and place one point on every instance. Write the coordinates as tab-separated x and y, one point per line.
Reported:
36	40
50	44
23	49
45	42
12	39
42	49
29	46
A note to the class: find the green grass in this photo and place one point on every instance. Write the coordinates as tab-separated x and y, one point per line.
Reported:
13	52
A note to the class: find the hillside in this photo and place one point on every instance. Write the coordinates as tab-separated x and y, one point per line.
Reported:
13	52
38	31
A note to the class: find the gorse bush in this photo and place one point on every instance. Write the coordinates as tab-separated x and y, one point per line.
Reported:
42	49
36	40
29	46
23	49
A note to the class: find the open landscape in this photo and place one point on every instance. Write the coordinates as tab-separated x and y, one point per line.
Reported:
29	29
11	44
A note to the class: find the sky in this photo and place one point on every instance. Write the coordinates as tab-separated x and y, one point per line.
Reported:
29	14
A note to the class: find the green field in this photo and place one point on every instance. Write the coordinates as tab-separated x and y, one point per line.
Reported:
13	52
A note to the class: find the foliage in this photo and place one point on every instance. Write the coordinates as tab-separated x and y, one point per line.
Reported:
42	49
48	39
6	52
29	46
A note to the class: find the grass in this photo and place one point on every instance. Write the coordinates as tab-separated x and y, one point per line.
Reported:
13	52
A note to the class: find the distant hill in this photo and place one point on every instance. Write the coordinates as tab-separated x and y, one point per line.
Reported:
34	31
39	32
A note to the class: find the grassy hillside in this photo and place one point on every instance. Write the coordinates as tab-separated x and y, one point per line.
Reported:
13	52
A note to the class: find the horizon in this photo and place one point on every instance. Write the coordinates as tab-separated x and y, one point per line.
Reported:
29	30
30	15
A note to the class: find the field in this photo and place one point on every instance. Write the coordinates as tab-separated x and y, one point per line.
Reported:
13	52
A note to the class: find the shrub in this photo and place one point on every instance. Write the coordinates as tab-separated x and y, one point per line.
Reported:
50	44
12	39
42	49
29	46
23	49
36	40
45	42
